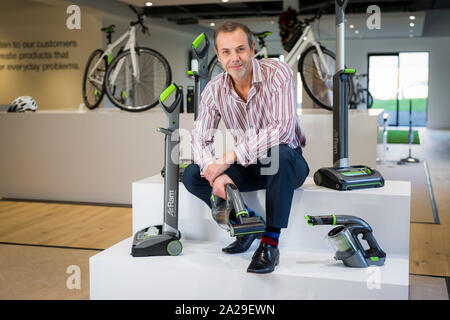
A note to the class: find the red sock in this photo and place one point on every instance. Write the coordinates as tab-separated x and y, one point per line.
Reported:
269	240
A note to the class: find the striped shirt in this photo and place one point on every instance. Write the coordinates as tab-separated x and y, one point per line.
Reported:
268	118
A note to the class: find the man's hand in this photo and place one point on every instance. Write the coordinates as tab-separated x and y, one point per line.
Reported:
216	168
219	185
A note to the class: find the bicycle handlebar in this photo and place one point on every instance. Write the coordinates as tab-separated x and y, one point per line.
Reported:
140	20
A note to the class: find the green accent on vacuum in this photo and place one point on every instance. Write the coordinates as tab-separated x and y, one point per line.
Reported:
177	245
364	184
191	73
166	93
241	212
198	40
374	258
349	70
308	220
334	219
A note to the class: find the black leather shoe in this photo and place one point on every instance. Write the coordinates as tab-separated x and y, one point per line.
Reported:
242	243
265	258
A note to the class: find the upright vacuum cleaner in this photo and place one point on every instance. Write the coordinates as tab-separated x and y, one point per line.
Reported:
410	158
344	239
201	79
161	240
200	76
342	176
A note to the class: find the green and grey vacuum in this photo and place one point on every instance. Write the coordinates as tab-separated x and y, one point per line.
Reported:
232	215
342	176
344	239
161	240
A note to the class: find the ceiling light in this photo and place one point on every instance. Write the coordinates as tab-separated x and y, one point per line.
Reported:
412	17
411	24
356	31
212	24
351	26
411	30
148	4
225	0
411	36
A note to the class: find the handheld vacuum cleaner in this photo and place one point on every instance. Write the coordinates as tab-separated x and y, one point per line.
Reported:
232	215
164	239
344	239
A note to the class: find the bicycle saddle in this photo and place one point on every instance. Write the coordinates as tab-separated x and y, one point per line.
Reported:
262	35
109	29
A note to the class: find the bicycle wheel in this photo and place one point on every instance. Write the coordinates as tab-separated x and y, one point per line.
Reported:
93	80
131	94
369	99
214	68
317	83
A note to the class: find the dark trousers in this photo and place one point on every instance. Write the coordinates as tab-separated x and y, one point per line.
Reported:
279	176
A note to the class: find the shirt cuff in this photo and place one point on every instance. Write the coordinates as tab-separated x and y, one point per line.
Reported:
204	165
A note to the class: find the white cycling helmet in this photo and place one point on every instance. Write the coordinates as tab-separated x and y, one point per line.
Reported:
22	104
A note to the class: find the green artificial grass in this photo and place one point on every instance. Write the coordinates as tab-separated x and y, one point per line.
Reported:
402	136
418	105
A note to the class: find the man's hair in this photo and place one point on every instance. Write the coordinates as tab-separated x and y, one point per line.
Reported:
230	26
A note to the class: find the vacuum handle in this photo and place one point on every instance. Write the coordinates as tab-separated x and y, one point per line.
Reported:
233	195
166	93
373	244
196	43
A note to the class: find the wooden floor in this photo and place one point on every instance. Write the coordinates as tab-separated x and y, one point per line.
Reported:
66	225
430	243
99	227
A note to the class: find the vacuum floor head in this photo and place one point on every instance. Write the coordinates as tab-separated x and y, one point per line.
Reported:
348	178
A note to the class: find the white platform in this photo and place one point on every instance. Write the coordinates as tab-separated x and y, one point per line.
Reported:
386	209
306	271
202	271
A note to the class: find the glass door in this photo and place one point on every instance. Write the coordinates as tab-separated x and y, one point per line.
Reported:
384	83
398	82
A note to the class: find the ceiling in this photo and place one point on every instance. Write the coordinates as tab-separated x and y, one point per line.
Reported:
192	11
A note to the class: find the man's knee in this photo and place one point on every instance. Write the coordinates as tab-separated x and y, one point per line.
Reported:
190	175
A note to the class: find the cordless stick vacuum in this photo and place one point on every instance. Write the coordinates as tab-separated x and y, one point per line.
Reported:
410	158
342	176
232	215
161	240
200	76
201	79
344	239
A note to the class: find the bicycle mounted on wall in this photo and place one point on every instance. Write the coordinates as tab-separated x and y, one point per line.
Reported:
133	80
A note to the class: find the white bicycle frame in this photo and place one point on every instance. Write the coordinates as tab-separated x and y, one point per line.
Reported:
263	53
130	45
303	42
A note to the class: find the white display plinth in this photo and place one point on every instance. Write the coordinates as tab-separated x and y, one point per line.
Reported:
306	271
387	210
203	271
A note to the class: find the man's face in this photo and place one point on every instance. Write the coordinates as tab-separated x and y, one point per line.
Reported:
234	53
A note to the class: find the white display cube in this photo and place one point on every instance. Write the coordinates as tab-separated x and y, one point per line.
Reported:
307	269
